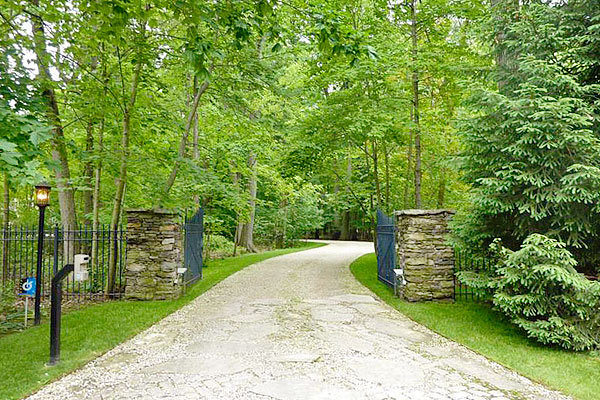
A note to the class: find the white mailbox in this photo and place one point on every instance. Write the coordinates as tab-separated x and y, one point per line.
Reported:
80	267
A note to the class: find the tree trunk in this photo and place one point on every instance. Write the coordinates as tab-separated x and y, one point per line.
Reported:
88	173
196	152
238	228
245	230
184	138
336	215
442	189
376	173
386	164
5	225
373	228
415	89
96	195
409	172
98	174
66	198
120	184
246	233
281	224
346	223
373	224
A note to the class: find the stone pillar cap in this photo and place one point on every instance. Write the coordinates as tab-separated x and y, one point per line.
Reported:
416	212
151	211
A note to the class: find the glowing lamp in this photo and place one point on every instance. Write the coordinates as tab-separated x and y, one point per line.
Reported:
42	194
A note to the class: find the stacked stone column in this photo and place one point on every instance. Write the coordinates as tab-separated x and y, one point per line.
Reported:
424	254
154	252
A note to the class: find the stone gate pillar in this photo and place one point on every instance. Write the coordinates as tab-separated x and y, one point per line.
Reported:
424	255
154	252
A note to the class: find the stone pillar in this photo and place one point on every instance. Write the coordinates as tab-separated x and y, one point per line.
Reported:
153	254
424	255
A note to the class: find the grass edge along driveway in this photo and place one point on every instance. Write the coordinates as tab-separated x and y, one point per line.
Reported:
487	332
93	330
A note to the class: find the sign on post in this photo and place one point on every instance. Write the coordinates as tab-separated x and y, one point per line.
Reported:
28	290
27	287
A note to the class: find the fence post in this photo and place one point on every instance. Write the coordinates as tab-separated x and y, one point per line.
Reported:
5	273
55	244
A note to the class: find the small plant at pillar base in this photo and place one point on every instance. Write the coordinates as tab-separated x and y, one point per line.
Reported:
540	290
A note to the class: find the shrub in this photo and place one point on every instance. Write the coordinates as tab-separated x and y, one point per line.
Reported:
217	246
538	288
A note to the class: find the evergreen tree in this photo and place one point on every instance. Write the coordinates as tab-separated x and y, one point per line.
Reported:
531	152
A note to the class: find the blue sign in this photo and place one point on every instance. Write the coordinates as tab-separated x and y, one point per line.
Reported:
27	287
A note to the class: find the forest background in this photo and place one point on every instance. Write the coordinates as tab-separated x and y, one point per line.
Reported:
290	118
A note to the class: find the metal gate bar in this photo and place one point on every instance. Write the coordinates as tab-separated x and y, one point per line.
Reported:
386	248
194	229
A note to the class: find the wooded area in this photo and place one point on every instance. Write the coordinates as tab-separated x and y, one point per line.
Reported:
289	118
279	118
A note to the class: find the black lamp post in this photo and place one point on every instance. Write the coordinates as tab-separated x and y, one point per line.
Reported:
42	198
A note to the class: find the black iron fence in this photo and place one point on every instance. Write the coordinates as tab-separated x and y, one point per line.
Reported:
19	246
465	261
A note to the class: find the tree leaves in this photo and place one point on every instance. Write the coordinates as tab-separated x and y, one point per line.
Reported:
532	155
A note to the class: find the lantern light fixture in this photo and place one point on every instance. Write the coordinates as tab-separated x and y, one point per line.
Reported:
42	194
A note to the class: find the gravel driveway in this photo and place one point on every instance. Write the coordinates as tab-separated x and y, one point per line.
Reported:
297	326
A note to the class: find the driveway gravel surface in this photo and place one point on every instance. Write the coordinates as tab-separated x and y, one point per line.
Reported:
298	326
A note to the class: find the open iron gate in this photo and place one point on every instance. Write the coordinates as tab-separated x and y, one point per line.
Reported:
192	256
386	248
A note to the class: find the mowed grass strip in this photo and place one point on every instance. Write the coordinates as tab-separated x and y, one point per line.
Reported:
93	330
487	332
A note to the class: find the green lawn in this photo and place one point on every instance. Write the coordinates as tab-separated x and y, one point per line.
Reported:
480	328
91	331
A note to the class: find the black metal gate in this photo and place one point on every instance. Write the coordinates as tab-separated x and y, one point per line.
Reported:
192	256
386	248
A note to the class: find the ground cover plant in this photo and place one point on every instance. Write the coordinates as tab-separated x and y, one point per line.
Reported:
87	333
488	332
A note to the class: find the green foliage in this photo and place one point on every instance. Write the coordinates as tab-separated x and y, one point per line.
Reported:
531	148
299	211
22	132
215	247
538	288
318	92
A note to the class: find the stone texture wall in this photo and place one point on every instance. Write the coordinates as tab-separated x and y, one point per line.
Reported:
154	252
424	255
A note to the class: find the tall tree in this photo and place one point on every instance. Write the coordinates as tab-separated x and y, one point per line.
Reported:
66	197
128	109
5	226
531	151
416	127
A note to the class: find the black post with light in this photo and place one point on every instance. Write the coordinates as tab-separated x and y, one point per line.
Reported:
42	199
